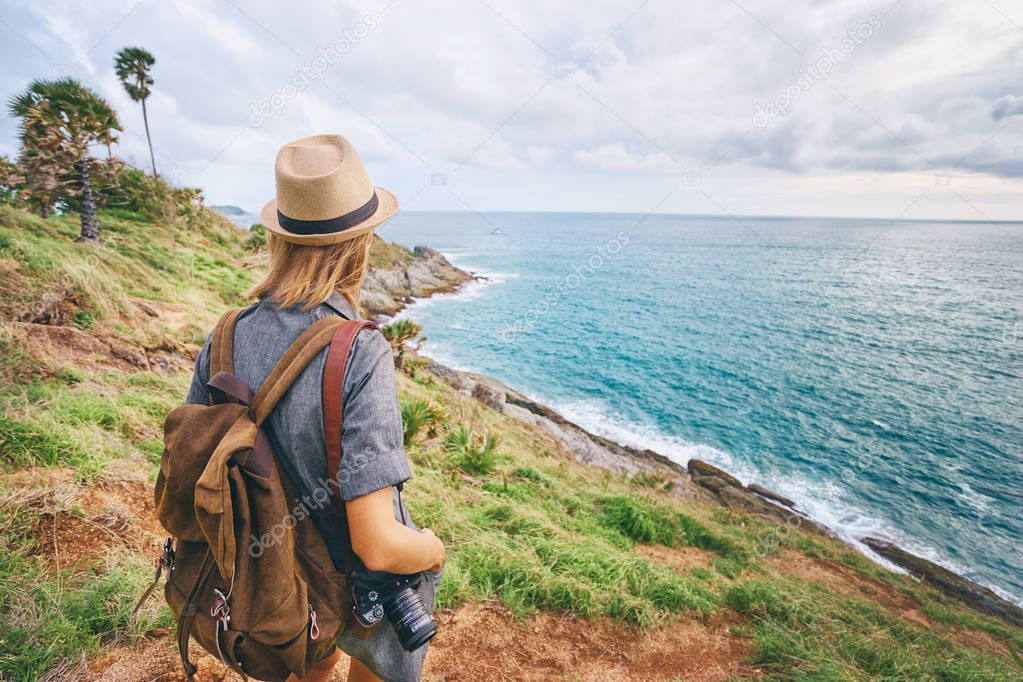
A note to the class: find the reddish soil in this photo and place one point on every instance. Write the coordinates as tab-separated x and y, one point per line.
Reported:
485	642
107	514
843	579
66	346
58	344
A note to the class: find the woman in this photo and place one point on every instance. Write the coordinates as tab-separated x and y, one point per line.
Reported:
320	228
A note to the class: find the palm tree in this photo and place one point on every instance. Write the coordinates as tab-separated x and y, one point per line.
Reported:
43	163
401	334
132	65
73	117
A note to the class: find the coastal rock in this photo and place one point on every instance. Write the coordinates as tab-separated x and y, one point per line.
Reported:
491	396
975	595
729	491
422	272
587	448
711	477
384	292
457	380
431	273
771	495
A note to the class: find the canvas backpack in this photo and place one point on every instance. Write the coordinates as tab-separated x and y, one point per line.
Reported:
266	608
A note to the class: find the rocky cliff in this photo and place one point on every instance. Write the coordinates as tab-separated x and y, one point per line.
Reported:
396	276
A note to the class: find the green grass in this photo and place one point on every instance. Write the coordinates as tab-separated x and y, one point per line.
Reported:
86	425
523	523
52	617
806	631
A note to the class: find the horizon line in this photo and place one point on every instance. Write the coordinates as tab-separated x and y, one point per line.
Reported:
733	216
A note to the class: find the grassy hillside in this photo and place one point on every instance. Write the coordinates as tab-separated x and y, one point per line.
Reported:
97	344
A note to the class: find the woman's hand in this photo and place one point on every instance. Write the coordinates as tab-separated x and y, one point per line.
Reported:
441	554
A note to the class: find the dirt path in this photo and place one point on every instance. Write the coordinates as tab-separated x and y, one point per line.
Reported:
485	642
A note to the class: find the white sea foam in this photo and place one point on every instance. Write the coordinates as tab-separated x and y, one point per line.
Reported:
470	290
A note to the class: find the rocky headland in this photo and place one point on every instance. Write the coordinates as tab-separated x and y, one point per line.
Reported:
396	276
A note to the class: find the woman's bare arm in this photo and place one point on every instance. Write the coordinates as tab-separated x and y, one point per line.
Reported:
383	543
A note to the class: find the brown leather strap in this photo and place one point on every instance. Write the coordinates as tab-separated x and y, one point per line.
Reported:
189	610
333	379
229	386
149	590
222	345
306	347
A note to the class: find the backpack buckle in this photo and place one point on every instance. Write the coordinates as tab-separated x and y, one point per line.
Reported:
221	613
167	557
314	629
221	610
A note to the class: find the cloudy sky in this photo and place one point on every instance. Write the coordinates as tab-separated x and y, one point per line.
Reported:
758	107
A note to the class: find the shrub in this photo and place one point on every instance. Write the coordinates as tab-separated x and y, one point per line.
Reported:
417	413
402	334
472	453
133	190
11	181
257	238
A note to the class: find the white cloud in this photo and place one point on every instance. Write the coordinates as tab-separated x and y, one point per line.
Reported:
617	157
1010	105
595	97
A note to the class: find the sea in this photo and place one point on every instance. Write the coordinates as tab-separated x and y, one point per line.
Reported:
869	370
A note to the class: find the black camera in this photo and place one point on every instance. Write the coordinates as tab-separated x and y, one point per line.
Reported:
378	593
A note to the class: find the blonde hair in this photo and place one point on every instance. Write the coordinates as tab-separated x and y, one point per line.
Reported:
307	275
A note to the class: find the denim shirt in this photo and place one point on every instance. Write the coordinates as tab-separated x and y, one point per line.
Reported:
373	452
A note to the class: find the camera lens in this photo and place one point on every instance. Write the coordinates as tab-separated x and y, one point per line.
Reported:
412	623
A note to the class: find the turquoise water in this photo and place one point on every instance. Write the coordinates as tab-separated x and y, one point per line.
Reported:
870	371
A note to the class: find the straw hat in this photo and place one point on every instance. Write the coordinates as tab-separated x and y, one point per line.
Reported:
324	195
